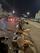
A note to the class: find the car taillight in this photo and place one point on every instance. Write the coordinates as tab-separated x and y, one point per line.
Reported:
10	20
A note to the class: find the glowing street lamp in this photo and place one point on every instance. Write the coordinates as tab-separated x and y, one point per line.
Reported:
13	11
28	13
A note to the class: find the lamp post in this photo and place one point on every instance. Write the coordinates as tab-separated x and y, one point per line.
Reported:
13	12
28	13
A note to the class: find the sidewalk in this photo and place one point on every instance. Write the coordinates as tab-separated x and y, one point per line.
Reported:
35	24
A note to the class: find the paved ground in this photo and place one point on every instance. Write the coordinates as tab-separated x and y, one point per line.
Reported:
35	24
35	33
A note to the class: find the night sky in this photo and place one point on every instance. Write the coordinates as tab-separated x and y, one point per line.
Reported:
21	6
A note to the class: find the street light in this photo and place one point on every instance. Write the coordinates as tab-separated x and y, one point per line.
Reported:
13	11
28	13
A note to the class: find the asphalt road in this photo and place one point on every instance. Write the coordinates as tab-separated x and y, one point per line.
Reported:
35	33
